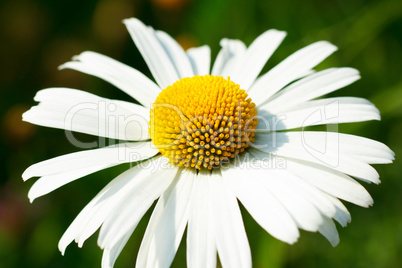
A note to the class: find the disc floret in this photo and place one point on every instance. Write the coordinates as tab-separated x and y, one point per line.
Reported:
202	121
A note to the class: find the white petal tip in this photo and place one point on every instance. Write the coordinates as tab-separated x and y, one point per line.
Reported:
61	67
125	21
70	64
366	203
34	193
376	181
25	176
344	222
101	243
292	242
289	240
356	77
334	243
25	116
31	195
329	45
279	32
350	70
62	248
132	21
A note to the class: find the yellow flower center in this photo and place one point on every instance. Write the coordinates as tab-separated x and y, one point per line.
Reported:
202	121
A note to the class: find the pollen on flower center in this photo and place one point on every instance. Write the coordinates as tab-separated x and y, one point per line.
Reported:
202	121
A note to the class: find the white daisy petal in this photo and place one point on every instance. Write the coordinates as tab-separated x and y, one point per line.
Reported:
325	202
288	70
342	214
166	226
231	238
322	112
153	52
152	182
49	183
61	170
363	149
304	213
328	230
112	197
110	254
200	59
231	51
311	87
111	155
250	64
176	54
128	79
330	181
79	111
360	148
319	147
201	246
290	195
318	198
96	211
261	203
110	202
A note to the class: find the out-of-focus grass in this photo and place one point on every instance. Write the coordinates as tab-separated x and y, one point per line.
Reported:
37	36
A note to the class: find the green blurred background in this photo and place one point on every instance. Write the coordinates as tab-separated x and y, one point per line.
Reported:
37	36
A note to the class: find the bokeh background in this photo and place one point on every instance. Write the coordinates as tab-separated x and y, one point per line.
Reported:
37	36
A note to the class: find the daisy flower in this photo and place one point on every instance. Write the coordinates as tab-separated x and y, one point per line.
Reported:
201	141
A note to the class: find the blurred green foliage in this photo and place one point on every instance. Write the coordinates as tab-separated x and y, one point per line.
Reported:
37	36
